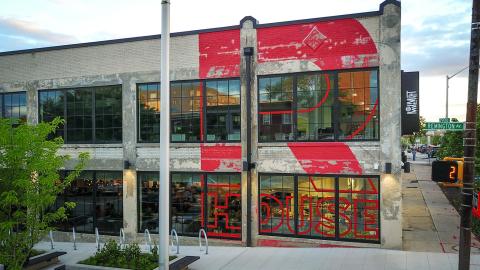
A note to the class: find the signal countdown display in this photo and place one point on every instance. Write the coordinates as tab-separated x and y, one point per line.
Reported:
445	171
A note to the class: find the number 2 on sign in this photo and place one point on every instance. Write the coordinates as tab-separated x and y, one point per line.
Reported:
453	170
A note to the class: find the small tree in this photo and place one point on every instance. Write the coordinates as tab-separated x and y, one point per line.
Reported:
29	185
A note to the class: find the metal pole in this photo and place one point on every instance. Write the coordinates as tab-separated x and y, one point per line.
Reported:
164	187
446	100
469	143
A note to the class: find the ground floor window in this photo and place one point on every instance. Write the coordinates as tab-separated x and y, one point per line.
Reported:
98	196
327	207
198	200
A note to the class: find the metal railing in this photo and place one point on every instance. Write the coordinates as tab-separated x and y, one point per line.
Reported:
148	239
173	234
122	238
200	240
50	234
97	239
74	236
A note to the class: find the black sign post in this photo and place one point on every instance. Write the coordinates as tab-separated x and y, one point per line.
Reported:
410	102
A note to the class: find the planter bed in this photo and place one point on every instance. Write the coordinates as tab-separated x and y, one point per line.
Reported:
179	263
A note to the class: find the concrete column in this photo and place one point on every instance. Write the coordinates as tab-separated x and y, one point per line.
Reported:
32	103
129	117
248	38
390	131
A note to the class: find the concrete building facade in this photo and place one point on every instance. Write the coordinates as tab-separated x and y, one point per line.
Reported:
283	134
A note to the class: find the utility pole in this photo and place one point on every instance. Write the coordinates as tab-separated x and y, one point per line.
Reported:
469	142
164	187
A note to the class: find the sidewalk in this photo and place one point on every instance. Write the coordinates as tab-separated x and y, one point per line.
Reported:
239	258
430	223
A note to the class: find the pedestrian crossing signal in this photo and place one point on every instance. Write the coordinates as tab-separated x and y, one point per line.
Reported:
445	171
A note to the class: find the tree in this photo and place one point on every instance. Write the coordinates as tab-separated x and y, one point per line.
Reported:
29	185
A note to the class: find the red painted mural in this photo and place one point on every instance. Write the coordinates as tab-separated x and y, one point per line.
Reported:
326	158
220	156
219	54
330	45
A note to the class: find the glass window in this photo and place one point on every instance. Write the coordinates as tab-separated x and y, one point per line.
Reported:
277	204
82	108
223	110
98	198
109	202
185	111
14	106
358	98
187	203
320	106
321	202
108	114
149	112
224	212
79	116
276	108
315	107
148	201
359	207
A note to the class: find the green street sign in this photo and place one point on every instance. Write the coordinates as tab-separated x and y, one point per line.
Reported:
444	120
444	126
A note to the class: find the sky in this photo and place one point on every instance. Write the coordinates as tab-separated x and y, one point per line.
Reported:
435	33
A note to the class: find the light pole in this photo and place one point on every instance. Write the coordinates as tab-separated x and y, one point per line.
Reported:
448	78
164	187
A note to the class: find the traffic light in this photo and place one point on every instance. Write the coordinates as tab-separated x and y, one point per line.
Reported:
449	171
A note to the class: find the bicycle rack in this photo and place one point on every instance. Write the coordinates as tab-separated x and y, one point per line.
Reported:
97	239
200	240
50	233
122	238
148	239
173	233
74	239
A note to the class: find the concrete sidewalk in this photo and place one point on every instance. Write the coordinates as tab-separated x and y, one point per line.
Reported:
239	258
430	222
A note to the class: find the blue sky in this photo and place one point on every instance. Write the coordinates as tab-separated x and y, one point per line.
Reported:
435	33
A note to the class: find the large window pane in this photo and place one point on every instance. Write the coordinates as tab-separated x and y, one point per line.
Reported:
185	112
14	106
358	98
148	201
359	208
224	212
315	98
51	105
187	203
79	115
108	114
276	109
149	112
316	206
223	110
277	204
109	202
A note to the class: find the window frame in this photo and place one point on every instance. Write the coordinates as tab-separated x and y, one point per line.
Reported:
337	199
93	114
204	192
203	100
336	105
2	104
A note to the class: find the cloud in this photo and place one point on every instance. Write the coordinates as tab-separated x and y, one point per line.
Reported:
19	34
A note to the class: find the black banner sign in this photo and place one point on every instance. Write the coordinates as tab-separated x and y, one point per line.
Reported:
410	102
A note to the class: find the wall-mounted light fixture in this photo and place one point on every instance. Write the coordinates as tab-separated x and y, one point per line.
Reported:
126	164
388	167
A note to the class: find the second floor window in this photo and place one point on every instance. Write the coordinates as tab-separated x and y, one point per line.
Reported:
92	115
14	106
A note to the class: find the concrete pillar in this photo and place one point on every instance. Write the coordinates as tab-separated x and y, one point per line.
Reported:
32	103
248	38
390	117
129	116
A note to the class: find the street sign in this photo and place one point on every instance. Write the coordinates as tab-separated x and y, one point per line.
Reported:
444	120
444	126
